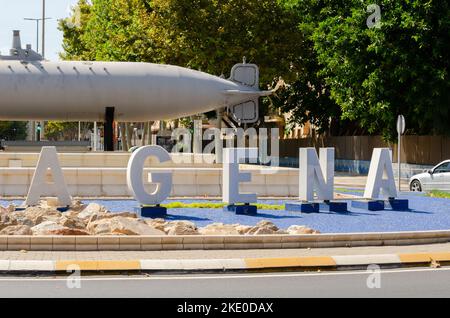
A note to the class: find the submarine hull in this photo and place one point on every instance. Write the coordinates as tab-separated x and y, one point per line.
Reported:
81	91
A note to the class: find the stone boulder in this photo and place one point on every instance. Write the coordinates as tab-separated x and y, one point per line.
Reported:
16	230
159	224
300	229
22	219
243	229
53	228
218	229
120	225
77	206
69	231
109	215
263	228
38	215
71	222
91	209
7	220
47	228
181	228
4	210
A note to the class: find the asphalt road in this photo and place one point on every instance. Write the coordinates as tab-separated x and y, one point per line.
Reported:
424	282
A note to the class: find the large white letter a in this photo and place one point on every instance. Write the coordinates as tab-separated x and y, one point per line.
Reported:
381	175
48	159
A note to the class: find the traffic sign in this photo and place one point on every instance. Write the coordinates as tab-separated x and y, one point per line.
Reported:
401	124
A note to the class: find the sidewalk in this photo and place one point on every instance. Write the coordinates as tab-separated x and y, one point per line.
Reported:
327	258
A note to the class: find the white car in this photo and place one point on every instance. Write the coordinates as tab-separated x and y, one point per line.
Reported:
437	178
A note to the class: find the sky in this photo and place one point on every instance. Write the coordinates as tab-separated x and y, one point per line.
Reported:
12	14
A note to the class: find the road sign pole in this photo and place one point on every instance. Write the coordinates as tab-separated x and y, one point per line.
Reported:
399	160
401	125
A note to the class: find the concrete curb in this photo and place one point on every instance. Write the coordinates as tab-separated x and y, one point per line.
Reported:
313	262
218	242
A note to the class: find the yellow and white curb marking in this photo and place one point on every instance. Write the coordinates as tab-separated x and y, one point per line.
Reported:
329	262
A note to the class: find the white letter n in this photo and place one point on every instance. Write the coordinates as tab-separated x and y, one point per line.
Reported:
315	175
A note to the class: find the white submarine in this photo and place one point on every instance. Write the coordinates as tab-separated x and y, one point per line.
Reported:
32	88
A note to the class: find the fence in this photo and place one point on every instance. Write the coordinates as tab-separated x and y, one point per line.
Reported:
421	150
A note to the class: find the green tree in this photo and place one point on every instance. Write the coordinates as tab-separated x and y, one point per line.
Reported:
13	130
205	35
375	73
119	30
74	28
214	35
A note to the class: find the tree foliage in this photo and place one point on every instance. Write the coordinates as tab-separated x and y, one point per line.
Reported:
374	74
210	36
57	130
74	28
214	35
13	130
342	73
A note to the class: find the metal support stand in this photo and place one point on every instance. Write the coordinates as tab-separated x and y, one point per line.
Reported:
108	137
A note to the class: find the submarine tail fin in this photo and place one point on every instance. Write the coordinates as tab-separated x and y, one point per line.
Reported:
246	112
248	75
245	74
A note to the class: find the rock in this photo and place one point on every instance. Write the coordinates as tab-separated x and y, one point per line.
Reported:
38	215
47	228
16	230
122	226
71	222
69	231
159	224
90	209
261	231
11	208
267	224
22	219
7	220
262	228
218	229
243	229
77	206
53	228
124	214
3	210
108	215
70	214
300	229
181	228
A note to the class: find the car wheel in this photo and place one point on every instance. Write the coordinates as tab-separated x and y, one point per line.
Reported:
415	186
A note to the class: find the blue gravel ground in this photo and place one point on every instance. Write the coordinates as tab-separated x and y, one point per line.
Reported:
426	214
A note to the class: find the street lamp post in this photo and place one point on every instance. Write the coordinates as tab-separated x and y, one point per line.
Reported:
43	28
37	20
37	31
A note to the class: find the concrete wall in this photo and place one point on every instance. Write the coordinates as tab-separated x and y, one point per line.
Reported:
111	182
102	159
